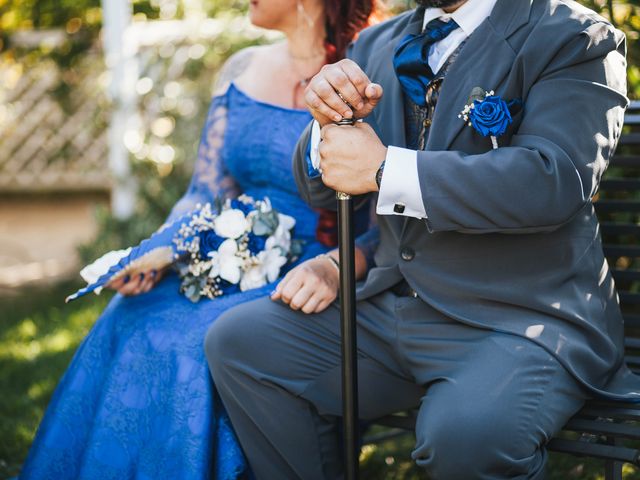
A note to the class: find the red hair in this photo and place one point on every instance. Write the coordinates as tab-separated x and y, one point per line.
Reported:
344	19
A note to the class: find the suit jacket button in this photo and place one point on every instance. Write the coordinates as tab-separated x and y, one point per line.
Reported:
398	208
407	254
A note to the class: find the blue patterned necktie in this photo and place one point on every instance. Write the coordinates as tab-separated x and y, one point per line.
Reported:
410	60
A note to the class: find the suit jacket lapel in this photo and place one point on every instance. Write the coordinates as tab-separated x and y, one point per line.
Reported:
483	62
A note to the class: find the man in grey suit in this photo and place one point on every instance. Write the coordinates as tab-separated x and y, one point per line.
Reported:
489	305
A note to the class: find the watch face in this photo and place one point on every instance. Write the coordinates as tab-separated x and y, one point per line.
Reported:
379	174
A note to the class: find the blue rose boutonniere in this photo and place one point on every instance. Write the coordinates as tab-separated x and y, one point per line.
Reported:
488	114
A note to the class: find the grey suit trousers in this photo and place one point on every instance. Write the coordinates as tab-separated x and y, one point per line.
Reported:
487	401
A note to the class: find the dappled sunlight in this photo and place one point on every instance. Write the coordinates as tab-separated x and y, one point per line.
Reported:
367	451
41	389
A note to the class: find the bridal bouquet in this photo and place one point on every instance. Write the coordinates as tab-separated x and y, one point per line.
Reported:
240	245
233	245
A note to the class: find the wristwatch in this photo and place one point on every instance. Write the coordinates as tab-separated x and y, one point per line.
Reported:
379	174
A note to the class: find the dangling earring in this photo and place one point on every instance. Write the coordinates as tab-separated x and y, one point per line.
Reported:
303	15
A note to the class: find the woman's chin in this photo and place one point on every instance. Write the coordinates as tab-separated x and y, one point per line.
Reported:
259	19
254	15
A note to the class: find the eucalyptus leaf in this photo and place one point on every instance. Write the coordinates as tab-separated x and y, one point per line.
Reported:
265	223
297	247
477	93
261	228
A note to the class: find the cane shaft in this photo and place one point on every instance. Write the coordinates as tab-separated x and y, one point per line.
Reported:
346	248
347	253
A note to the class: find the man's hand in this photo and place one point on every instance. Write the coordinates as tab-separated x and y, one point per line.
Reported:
350	157
313	285
346	79
310	287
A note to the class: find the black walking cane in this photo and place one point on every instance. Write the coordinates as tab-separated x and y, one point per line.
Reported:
346	251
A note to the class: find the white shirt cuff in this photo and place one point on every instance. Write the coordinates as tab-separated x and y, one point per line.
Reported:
315	143
400	192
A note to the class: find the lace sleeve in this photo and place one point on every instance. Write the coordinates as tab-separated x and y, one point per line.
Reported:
211	179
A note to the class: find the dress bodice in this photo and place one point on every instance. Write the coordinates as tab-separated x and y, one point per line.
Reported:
256	152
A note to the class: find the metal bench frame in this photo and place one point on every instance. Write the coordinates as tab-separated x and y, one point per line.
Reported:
603	430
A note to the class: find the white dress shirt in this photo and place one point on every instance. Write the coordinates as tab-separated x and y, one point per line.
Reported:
400	192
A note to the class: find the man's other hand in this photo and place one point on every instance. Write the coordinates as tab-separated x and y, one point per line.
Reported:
310	287
341	90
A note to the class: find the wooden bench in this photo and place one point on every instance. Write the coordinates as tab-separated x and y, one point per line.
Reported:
606	430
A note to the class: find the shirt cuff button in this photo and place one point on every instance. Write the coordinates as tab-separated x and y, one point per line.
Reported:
398	208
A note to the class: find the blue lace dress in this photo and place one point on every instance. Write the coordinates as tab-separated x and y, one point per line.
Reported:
137	401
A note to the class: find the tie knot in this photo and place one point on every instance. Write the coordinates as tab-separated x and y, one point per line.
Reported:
438	29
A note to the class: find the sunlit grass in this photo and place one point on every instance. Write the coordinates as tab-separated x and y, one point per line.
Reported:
38	336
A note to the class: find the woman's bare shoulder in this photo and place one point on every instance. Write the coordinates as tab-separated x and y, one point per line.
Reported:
238	64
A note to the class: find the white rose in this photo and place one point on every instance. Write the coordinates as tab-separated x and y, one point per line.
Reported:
282	236
286	222
231	224
253	278
225	263
272	261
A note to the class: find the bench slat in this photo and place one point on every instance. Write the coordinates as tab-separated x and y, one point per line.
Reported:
617	413
632	342
597	450
625	161
614	228
617	206
620	184
599	427
627	274
631	118
632	361
630	139
629	298
621	250
631	319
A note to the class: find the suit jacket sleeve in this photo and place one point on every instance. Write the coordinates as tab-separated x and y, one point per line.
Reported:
551	168
311	189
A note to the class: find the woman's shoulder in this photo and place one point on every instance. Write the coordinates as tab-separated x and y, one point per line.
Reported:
238	64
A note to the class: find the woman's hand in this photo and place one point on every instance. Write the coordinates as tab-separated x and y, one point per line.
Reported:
137	282
310	287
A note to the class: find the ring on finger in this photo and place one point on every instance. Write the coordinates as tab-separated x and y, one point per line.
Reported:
344	100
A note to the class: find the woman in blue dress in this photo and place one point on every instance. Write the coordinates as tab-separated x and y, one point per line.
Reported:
137	401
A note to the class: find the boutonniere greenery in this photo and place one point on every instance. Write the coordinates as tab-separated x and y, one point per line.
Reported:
487	113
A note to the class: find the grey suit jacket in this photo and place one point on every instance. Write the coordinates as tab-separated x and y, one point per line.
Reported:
512	241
